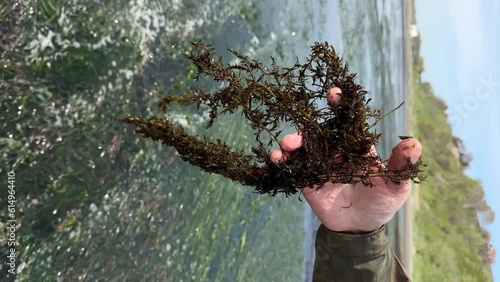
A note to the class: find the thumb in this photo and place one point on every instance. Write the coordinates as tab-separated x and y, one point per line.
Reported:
409	148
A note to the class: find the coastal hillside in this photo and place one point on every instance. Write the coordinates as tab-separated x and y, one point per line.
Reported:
449	243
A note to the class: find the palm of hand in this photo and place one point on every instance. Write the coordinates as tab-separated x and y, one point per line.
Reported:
357	208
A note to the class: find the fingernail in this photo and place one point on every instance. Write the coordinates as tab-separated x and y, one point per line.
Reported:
333	96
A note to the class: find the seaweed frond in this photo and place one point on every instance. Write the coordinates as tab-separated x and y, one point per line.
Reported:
268	97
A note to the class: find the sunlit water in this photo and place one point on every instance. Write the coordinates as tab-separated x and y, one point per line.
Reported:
99	202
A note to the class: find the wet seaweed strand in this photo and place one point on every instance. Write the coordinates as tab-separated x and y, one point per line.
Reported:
268	97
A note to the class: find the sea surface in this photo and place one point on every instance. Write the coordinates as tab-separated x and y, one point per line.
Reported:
101	203
372	41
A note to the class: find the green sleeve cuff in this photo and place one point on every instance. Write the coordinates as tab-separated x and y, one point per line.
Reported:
342	257
353	245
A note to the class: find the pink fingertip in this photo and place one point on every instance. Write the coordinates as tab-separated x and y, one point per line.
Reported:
333	96
277	156
291	142
409	148
413	150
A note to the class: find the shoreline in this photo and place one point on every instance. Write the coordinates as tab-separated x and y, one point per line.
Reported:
407	243
400	228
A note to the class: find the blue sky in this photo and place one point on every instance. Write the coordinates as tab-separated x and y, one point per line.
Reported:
460	47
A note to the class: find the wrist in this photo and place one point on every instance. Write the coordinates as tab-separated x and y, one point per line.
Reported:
357	231
348	247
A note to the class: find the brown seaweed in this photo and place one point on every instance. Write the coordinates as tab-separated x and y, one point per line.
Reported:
269	97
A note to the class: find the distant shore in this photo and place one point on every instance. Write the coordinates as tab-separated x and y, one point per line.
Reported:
407	243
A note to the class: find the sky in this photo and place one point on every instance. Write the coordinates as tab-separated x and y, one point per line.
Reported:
461	52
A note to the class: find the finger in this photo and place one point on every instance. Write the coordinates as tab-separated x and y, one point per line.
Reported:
338	158
333	96
277	156
377	165
410	148
291	142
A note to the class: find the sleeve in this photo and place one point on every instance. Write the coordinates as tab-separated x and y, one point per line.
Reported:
360	258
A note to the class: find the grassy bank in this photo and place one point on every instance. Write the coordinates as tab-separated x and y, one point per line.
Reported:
449	244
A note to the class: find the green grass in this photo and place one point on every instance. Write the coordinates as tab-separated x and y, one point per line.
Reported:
448	243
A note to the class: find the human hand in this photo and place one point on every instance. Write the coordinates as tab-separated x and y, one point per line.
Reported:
356	208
